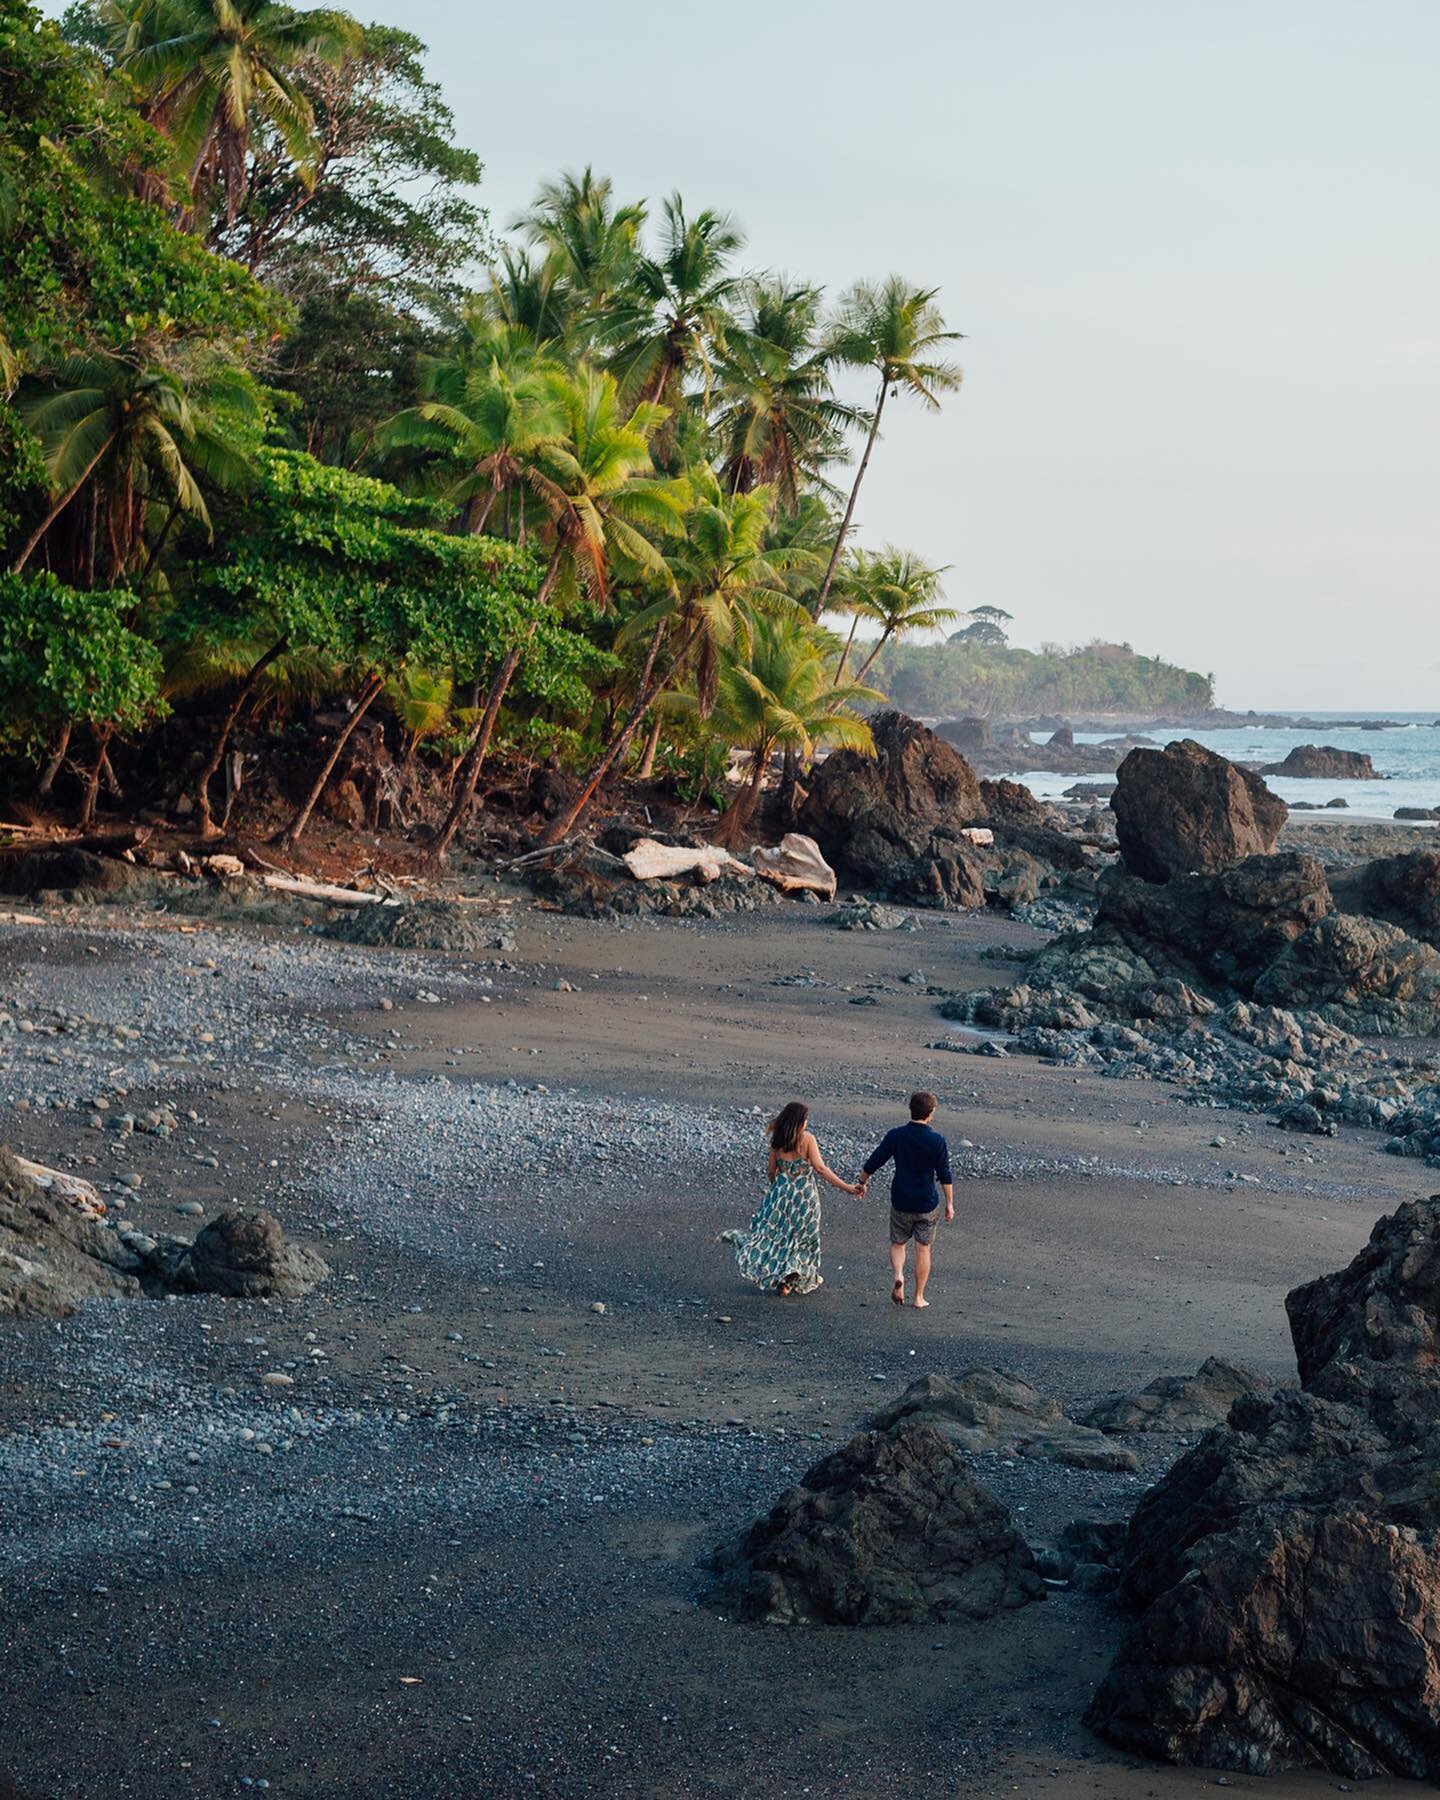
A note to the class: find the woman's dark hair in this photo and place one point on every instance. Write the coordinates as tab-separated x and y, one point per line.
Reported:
788	1126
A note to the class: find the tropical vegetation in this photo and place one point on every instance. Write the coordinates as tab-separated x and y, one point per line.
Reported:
285	423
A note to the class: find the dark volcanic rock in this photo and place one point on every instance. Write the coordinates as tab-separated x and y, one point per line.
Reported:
1184	809
244	1255
989	1411
65	870
1011	803
891	1530
53	1257
893	821
1321	762
1288	1567
1181	1403
1361	973
973	738
1405	890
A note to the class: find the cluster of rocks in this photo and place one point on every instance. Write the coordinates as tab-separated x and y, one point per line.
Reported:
1013	750
423	925
1286	1570
1252	979
914	823
55	1256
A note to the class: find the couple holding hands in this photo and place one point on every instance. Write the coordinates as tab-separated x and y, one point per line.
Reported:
781	1250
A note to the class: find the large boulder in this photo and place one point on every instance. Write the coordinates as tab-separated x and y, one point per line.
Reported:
894	821
243	1255
1322	762
893	1529
1179	1403
1404	890
1287	1569
988	1411
1360	973
1011	803
1184	809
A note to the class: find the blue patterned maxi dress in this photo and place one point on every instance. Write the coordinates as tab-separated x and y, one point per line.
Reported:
783	1242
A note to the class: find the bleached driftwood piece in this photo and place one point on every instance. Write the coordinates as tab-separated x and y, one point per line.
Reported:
82	1195
795	865
649	861
322	890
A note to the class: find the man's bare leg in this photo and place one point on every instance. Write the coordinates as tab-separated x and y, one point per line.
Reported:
922	1273
897	1263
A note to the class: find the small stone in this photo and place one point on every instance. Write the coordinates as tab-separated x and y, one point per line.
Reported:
192	1209
598	1306
275	1378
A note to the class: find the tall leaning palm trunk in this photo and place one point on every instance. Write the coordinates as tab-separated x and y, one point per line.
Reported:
844	530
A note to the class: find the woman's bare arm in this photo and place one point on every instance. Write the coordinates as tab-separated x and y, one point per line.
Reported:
817	1163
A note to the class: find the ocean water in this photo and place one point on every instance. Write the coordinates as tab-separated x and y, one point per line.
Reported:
1407	754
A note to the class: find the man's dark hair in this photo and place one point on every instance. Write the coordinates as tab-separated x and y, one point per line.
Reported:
922	1104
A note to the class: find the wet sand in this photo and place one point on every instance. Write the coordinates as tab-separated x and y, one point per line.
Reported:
471	1564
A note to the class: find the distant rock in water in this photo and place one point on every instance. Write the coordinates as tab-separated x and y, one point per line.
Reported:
893	1529
1417	812
1287	1569
973	738
1321	762
1184	810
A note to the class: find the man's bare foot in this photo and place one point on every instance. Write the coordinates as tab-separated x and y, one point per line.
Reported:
917	1301
897	1293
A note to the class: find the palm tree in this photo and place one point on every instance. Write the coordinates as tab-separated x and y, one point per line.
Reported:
532	293
594	478
895	330
124	430
778	421
209	70
720	574
674	311
588	240
488	411
776	693
894	590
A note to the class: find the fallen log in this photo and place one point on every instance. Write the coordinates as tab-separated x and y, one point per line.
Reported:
649	861
102	843
322	890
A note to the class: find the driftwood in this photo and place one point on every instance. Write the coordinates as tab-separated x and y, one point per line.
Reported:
649	861
21	918
322	890
103	843
795	865
82	1195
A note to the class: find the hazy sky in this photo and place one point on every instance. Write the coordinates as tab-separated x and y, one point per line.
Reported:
1193	248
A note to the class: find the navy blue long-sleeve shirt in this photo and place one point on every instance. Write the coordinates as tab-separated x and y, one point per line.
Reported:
921	1157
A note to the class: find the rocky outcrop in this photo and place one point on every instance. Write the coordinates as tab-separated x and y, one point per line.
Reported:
1183	810
987	1411
1180	1403
243	1255
1404	890
893	1529
1011	803
1287	1569
972	737
1322	762
894	821
1360	973
52	1256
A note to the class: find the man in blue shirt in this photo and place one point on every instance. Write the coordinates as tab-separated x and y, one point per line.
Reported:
922	1158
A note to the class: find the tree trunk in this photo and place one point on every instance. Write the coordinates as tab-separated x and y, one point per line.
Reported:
92	780
845	654
364	700
55	511
469	775
885	637
652	743
57	760
850	504
734	823
158	546
475	755
217	754
649	691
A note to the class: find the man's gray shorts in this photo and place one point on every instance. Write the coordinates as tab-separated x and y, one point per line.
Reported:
907	1225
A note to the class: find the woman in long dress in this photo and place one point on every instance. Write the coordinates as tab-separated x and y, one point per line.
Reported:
781	1250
